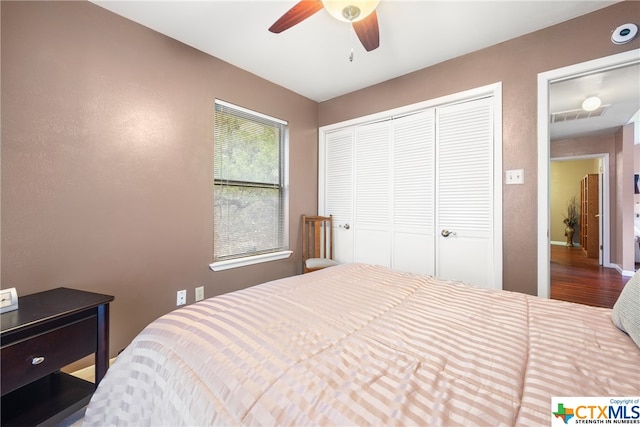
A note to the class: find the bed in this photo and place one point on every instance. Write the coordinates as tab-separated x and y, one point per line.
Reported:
358	344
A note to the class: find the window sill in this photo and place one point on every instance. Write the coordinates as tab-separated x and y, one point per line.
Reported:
242	262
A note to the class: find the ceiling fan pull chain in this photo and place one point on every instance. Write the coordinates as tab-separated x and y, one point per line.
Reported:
351	42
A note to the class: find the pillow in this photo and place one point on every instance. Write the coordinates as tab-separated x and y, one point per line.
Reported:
626	310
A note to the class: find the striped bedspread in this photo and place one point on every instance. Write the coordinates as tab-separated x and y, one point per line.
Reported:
364	345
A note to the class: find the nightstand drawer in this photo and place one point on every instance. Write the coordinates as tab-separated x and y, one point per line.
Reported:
29	360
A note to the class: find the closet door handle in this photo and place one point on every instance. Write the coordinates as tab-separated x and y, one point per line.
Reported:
347	226
447	233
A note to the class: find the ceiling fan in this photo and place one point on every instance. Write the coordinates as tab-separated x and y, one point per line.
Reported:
360	13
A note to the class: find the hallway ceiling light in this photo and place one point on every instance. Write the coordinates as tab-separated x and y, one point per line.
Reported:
592	103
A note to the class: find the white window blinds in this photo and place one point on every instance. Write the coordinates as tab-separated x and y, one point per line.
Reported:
249	184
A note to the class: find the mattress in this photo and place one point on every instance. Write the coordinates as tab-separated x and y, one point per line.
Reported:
358	344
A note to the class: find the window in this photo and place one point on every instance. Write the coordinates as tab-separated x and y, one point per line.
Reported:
250	192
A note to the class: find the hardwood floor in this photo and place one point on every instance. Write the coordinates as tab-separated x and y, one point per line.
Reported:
577	278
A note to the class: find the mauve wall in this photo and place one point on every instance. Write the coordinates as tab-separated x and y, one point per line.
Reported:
625	252
107	149
107	160
516	63
636	197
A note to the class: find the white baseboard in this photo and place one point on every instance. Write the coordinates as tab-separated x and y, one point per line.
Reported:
626	273
558	243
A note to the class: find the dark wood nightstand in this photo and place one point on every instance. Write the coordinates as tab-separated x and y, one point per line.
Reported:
48	331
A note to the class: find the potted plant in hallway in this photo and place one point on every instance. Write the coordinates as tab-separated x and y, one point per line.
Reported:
570	220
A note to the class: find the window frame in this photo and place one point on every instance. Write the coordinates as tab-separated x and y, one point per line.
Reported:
285	252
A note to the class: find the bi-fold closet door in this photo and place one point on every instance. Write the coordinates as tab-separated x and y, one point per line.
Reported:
415	192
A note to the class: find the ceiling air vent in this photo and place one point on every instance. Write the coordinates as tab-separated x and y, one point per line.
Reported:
567	116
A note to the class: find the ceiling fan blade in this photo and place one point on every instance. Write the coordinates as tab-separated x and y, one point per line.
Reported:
298	13
368	32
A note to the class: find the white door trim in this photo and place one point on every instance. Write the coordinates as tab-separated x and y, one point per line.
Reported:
544	80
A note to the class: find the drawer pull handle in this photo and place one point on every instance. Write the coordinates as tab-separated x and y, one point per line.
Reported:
37	360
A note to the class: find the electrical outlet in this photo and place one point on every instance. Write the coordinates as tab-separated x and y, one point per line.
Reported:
200	293
181	298
515	176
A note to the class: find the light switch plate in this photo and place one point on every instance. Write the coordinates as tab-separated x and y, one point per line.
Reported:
514	176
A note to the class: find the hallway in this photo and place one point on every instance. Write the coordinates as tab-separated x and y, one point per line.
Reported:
577	278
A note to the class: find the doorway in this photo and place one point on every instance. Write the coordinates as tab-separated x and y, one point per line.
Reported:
565	177
544	82
576	266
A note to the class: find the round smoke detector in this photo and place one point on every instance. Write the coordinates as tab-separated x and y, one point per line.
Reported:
624	33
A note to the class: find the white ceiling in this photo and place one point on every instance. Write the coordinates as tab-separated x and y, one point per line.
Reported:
618	88
312	58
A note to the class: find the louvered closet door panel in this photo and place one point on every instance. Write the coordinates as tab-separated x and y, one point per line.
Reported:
413	193
372	186
464	192
339	191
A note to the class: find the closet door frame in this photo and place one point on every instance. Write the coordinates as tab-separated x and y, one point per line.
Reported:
495	91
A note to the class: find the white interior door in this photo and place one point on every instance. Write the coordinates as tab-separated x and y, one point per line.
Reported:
372	192
419	190
464	192
338	191
413	171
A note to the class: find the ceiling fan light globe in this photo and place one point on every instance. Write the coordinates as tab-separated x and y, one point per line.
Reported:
350	10
591	104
